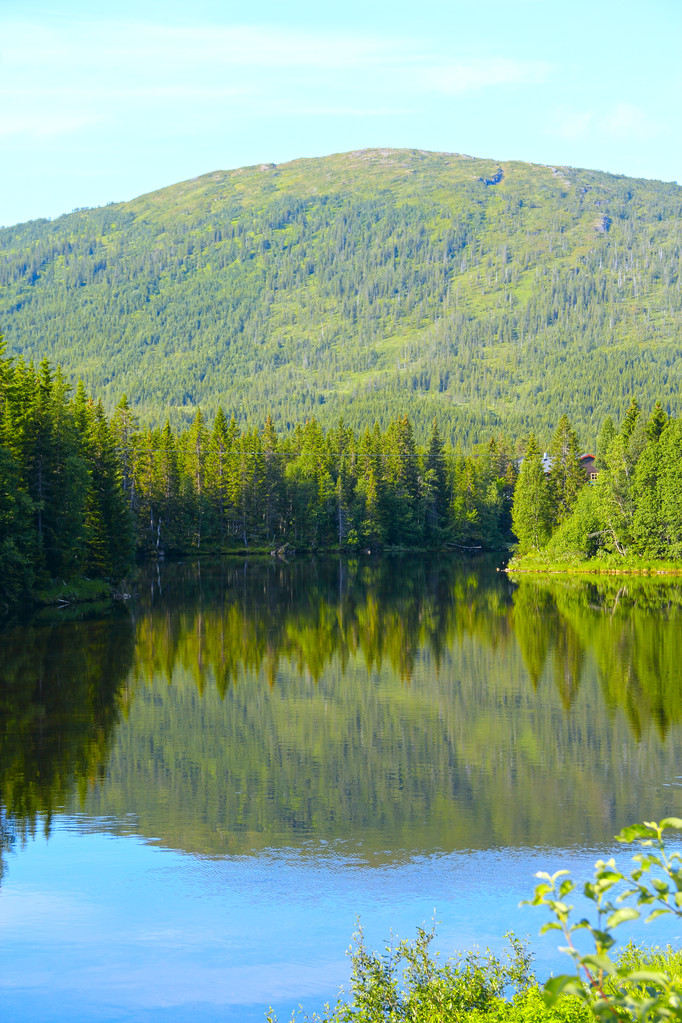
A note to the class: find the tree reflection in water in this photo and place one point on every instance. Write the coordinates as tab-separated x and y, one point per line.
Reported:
402	705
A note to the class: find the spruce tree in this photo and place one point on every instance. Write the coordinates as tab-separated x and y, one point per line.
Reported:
631	417
195	454
217	475
670	488
566	475
615	502
657	422
124	427
271	487
604	442
532	509
370	488
436	490
647	532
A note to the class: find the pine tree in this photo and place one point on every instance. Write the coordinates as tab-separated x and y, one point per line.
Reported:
631	417
370	488
670	488
566	475
615	498
16	511
436	489
217	474
647	531
271	486
167	493
124	427
605	439
658	421
195	453
401	473
108	521
532	509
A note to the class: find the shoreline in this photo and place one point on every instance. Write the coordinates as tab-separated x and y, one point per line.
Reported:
650	569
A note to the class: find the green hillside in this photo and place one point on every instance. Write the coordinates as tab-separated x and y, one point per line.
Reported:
369	283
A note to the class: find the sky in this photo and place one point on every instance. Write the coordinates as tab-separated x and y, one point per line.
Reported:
103	102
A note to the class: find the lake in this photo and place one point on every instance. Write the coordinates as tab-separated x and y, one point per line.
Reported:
203	791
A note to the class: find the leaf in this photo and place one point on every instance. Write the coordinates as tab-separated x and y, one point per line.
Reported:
565	984
560	908
671	822
646	977
603	938
656	912
635	831
607	877
599	962
621	915
627	894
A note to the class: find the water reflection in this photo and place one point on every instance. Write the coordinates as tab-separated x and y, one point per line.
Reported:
62	688
387	708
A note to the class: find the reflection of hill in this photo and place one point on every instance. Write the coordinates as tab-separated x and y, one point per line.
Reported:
386	706
60	693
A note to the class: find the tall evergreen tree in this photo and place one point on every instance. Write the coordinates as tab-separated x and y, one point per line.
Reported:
657	422
436	489
532	508
271	484
631	417
647	526
108	520
670	488
370	488
195	455
220	446
566	475
124	426
401	470
615	496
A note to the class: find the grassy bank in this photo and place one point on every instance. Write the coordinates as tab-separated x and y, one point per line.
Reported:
539	564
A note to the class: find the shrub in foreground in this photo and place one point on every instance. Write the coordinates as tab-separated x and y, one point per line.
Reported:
407	982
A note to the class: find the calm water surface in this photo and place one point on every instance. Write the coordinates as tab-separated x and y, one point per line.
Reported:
201	793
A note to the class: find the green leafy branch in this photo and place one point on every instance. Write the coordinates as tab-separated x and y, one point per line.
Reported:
655	882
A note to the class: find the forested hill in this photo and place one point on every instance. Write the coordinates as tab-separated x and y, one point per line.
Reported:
492	295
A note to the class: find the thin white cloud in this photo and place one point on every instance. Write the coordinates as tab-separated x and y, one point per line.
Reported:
621	122
59	78
105	45
629	123
466	75
572	125
39	125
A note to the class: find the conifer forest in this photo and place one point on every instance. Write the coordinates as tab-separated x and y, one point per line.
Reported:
358	352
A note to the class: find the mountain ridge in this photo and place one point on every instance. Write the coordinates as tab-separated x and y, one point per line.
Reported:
490	294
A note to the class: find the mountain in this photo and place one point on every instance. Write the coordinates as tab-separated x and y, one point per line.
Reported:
491	295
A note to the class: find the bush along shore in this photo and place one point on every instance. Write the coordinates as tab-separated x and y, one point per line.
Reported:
407	982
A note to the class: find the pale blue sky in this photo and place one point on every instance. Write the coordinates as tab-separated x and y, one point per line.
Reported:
101	103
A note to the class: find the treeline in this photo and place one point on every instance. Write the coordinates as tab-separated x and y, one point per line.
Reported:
631	511
81	493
